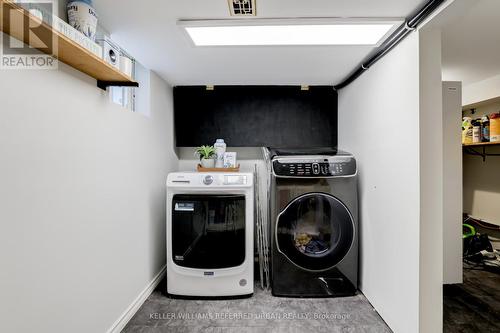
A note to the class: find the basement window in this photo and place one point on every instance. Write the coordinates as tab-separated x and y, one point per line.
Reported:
123	96
132	98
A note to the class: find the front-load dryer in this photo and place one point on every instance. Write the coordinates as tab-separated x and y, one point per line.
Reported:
314	226
210	227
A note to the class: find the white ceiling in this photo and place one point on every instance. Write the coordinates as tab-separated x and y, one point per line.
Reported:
471	44
148	30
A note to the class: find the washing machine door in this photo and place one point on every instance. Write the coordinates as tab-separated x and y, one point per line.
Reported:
315	231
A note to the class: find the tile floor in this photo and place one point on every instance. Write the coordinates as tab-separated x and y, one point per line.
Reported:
261	313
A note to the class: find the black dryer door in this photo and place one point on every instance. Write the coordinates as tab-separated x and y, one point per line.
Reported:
315	231
208	231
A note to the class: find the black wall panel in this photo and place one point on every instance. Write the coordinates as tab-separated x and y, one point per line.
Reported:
256	116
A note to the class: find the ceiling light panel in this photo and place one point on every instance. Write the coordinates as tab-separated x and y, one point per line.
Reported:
255	34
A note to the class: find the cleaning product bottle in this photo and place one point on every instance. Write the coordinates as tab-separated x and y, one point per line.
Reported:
495	127
476	131
220	149
467	130
485	128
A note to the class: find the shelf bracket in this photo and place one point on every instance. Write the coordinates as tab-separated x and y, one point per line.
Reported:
104	84
484	154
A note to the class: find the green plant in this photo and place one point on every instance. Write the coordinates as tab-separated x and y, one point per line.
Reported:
205	152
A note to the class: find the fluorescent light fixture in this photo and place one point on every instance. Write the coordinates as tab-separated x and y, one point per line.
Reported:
265	33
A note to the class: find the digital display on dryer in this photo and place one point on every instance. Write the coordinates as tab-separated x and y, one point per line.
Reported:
318	168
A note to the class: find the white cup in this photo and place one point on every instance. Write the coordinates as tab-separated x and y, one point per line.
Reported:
126	65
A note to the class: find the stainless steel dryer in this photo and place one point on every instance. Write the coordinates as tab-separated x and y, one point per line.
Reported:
314	225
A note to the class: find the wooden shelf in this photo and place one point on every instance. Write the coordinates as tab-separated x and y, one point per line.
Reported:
202	169
469	149
480	144
68	51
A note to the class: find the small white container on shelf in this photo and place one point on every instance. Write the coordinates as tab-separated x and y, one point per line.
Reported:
126	64
220	149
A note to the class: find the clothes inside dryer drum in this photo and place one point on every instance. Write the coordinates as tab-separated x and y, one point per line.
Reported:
315	231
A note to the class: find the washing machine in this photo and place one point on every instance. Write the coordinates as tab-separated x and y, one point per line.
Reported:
314	224
210	235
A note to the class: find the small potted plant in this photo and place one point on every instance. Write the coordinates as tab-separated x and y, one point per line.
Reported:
206	154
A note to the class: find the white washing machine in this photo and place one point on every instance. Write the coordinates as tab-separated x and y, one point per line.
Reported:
210	226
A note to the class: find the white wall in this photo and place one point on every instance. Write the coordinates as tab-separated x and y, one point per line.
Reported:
82	194
452	183
390	118
379	124
431	182
481	91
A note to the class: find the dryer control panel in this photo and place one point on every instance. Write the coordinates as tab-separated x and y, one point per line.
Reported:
333	166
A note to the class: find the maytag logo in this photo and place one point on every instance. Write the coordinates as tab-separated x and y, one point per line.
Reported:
29	42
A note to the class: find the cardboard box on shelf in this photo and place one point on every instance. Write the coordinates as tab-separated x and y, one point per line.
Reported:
75	35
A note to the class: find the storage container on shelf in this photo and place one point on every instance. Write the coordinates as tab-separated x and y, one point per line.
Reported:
83	17
476	131
485	129
495	127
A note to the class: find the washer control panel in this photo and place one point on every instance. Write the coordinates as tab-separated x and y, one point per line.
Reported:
210	180
224	180
334	166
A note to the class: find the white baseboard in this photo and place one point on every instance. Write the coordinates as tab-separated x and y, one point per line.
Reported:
120	323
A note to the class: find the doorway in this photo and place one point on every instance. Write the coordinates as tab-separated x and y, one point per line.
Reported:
471	216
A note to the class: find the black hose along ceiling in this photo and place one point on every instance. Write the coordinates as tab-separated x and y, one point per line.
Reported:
410	24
